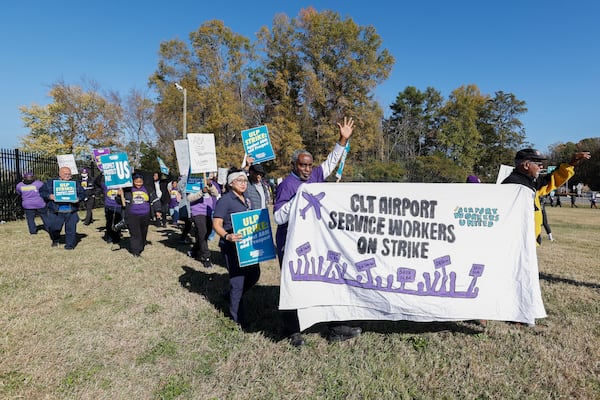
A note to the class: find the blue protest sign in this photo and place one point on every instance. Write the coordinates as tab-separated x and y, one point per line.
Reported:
257	240
163	167
194	183
65	191
117	172
257	144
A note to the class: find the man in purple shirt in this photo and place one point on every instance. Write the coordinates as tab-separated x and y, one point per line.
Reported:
32	202
303	172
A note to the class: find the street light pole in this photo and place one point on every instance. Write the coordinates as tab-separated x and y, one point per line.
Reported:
182	89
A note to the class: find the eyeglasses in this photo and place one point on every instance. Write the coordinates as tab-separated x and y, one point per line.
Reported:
241	180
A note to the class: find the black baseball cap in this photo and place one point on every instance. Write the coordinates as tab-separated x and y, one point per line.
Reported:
259	169
530	154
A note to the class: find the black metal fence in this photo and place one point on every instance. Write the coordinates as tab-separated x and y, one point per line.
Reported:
13	164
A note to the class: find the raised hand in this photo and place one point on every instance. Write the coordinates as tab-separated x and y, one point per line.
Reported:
346	130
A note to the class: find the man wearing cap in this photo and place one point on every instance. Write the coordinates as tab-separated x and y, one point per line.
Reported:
528	164
62	213
32	202
89	187
257	191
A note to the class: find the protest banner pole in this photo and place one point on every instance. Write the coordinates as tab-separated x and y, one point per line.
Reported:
340	170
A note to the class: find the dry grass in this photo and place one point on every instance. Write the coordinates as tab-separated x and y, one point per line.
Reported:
95	323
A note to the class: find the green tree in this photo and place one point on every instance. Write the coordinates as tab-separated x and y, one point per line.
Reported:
436	168
342	64
502	133
586	171
459	137
410	130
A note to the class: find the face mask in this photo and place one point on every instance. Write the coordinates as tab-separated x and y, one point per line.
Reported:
84	176
27	181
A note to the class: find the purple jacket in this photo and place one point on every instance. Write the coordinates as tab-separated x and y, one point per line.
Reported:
286	191
30	195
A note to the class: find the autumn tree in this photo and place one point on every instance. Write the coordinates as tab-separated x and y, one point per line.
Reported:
213	69
342	64
277	85
76	121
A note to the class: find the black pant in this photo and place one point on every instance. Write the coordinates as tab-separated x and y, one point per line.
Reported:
138	231
112	215
203	229
89	207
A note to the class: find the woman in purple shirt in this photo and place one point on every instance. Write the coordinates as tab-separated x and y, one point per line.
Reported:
137	205
32	202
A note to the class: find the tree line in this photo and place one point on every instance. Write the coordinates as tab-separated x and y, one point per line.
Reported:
299	77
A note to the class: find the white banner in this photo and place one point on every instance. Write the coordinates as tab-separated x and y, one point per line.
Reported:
203	156
411	251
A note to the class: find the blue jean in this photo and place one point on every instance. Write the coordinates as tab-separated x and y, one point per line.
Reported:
69	220
30	216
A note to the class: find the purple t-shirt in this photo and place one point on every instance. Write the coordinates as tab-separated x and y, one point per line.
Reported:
140	201
173	202
203	206
110	196
286	191
30	195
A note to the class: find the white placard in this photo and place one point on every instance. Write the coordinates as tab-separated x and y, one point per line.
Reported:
182	152
203	156
67	160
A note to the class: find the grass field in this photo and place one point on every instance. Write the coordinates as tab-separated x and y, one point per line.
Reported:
96	323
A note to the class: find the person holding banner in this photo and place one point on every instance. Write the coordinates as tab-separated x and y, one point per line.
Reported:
303	172
241	279
137	205
62	208
528	164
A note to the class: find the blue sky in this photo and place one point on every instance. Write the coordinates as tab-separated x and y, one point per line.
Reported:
545	52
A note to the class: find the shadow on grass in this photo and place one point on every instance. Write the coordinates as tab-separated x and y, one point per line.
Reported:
260	302
261	305
170	238
557	279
